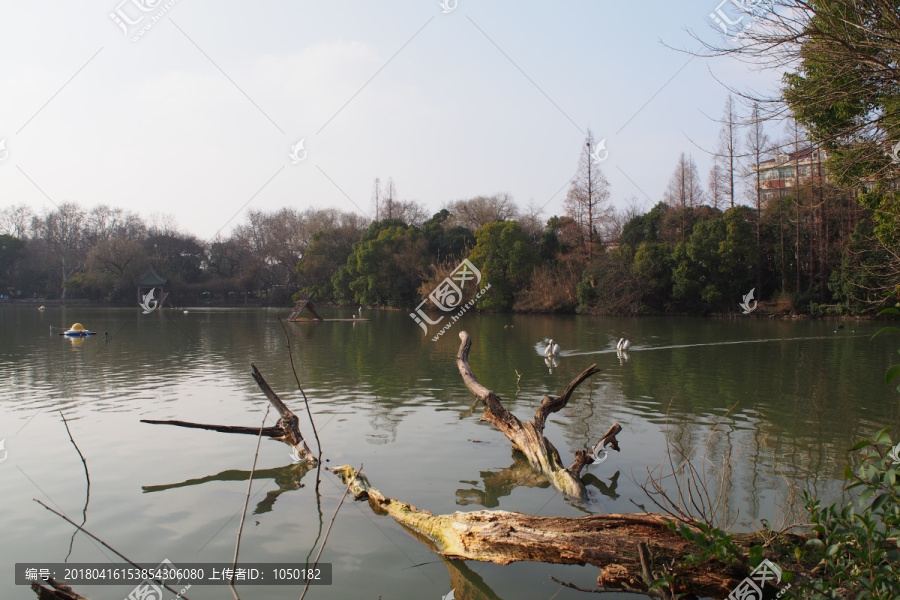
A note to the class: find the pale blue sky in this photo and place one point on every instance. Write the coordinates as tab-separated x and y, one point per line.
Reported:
199	115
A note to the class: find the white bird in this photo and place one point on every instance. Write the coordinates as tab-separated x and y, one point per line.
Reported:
552	349
623	345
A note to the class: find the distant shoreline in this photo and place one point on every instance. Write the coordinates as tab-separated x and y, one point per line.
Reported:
32	304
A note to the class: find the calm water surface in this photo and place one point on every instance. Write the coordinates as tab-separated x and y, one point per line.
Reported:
386	396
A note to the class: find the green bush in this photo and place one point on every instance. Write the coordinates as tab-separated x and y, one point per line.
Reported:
856	550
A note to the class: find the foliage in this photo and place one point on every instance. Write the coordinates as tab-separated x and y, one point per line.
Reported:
713	543
715	266
503	254
11	250
447	242
328	251
385	266
608	285
856	549
653	265
858	282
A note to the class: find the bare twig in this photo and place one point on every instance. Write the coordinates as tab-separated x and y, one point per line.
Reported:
87	492
107	546
573	586
315	434
237	545
299	387
327	531
694	496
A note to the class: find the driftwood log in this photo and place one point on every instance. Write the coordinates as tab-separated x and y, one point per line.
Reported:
630	549
286	430
528	437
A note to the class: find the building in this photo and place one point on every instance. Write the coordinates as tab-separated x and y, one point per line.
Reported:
778	176
147	282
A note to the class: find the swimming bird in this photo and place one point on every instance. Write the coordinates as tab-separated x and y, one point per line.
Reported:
552	349
623	345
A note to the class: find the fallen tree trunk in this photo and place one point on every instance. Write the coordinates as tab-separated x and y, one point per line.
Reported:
286	430
528	437
630	549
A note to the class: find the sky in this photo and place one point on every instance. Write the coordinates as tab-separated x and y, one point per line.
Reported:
195	108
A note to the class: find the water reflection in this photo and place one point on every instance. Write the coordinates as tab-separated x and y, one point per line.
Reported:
501	483
466	583
551	362
497	484
287	478
779	402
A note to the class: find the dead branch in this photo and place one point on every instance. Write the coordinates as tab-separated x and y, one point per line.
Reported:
66	589
528	437
57	591
583	458
286	430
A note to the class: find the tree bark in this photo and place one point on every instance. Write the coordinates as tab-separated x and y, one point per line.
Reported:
528	437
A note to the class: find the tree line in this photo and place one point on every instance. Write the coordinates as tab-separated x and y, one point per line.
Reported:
699	249
827	243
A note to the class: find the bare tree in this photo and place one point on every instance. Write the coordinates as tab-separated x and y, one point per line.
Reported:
481	210
587	202
716	195
62	232
684	189
104	222
758	145
162	224
620	217
389	198
376	198
728	149
531	221
410	212
16	221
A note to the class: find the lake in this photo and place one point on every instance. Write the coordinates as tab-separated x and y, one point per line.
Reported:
788	398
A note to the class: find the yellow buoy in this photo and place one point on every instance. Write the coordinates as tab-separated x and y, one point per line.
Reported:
77	327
